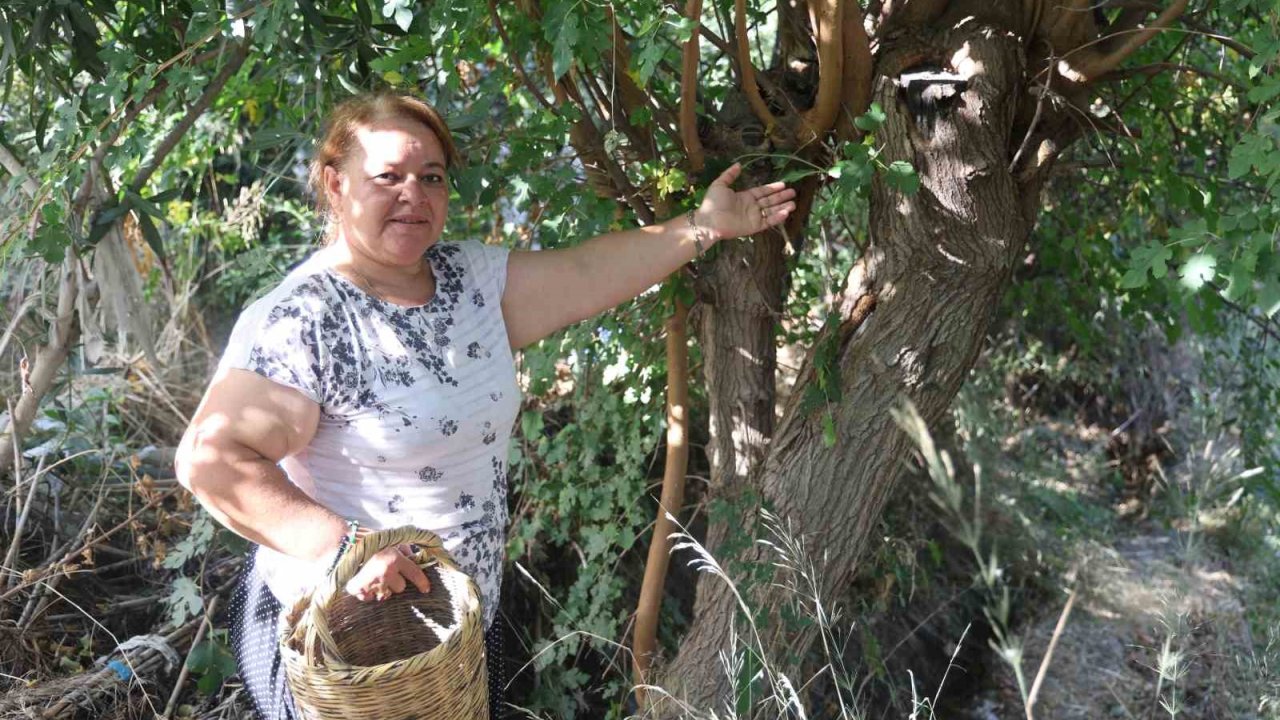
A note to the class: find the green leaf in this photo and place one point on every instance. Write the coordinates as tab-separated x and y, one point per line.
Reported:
208	684
1198	270
562	50
151	234
671	180
135	201
164	197
1240	277
51	239
1263	93
684	28
1152	257
184	600
105	218
828	430
871	120
1250	152
194	544
1269	296
531	424
902	177
200	659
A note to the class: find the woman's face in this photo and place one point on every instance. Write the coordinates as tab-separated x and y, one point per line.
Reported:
390	194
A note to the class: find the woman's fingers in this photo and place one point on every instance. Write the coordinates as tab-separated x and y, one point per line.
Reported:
761	191
410	571
775	216
386	573
730	174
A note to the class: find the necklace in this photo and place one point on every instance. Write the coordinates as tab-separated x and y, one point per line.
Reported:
370	287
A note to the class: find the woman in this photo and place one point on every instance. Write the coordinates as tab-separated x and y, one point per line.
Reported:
374	386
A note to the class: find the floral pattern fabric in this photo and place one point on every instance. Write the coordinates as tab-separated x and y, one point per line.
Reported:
416	404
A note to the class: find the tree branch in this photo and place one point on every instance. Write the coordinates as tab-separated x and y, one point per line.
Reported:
1162	67
39	374
1263	323
644	643
855	92
84	194
515	61
689	90
1096	64
586	139
15	168
749	86
175	135
825	16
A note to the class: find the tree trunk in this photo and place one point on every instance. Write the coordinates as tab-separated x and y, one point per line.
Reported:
742	294
915	315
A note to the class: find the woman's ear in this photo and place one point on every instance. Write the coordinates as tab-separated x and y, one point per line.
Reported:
332	187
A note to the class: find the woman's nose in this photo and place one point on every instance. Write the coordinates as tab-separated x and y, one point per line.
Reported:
412	192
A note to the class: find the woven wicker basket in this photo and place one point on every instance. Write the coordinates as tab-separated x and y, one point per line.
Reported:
409	657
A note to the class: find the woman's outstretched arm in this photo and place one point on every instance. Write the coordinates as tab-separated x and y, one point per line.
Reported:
550	289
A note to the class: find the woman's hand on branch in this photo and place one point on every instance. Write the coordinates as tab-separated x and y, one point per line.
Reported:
388	572
729	213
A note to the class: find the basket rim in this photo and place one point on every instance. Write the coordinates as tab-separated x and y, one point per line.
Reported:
316	604
349	674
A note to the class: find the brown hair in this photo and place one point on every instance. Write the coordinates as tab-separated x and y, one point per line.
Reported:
362	111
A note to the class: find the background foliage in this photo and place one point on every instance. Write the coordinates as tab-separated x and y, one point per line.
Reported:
168	141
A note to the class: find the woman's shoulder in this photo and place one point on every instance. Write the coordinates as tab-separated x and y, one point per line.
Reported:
471	252
468	262
306	289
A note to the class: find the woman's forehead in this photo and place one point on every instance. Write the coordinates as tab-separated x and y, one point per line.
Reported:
396	141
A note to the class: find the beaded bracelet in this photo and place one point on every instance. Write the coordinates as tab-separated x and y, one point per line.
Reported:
345	544
700	234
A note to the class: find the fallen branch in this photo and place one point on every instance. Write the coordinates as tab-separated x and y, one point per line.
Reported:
1048	654
66	557
209	612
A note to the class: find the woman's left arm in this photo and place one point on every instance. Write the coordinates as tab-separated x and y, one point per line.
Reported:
550	289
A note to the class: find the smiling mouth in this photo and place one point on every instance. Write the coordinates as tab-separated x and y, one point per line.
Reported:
410	222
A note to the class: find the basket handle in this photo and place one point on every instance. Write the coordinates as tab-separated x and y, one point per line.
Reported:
317	640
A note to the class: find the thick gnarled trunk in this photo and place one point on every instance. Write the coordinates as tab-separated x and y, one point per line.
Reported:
915	315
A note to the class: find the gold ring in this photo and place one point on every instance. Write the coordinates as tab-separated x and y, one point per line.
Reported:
764	212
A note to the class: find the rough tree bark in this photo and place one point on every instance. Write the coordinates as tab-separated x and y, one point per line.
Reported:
918	303
980	98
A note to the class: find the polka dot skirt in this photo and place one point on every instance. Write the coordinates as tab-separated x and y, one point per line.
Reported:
253	616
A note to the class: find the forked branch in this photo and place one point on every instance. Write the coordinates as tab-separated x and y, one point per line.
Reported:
1096	63
855	92
825	18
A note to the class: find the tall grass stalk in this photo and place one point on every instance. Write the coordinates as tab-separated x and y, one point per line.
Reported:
750	659
967	527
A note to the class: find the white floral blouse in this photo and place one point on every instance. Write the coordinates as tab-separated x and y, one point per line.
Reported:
416	404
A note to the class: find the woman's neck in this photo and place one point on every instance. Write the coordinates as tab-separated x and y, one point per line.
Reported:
398	284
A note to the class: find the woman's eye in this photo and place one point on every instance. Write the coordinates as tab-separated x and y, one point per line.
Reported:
386	177
432	179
